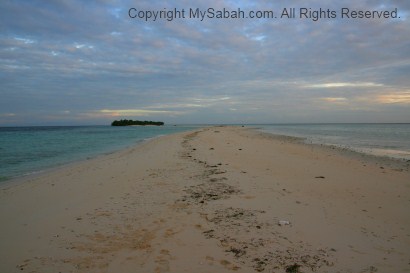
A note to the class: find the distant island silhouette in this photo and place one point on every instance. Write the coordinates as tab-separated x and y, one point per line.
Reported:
129	122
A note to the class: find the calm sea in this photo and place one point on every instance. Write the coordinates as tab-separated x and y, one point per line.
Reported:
392	140
25	150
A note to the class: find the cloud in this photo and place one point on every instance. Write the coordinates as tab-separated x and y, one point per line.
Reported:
175	105
343	84
90	55
394	98
7	115
134	112
335	100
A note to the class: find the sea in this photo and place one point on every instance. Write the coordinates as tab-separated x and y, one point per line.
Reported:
30	150
379	139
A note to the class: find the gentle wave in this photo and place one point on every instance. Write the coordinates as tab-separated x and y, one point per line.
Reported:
384	139
25	150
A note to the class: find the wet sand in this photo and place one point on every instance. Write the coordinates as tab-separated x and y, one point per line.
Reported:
217	199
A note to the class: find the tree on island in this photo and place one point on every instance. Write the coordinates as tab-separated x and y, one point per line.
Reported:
129	122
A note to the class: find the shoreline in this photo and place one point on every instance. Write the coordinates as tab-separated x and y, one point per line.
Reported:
229	198
16	180
391	161
21	179
374	148
73	158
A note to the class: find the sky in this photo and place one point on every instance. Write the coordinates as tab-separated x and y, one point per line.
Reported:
74	62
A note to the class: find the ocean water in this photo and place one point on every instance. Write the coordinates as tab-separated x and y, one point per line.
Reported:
391	140
26	150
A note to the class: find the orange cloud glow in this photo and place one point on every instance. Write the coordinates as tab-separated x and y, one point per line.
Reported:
402	98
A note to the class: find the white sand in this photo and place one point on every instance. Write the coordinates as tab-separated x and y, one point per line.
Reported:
210	201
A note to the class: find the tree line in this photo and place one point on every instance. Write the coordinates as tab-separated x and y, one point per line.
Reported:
129	122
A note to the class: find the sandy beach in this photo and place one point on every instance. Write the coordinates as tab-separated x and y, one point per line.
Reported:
218	199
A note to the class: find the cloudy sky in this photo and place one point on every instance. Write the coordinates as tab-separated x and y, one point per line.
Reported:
87	62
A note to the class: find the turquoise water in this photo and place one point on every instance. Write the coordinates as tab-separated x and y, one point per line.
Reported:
392	140
25	150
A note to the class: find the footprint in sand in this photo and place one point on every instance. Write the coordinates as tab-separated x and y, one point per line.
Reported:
229	265
162	261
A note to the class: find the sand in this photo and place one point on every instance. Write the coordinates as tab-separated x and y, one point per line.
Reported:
218	199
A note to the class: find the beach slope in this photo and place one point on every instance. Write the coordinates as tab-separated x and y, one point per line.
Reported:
218	199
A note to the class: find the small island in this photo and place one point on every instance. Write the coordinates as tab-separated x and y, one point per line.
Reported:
129	122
